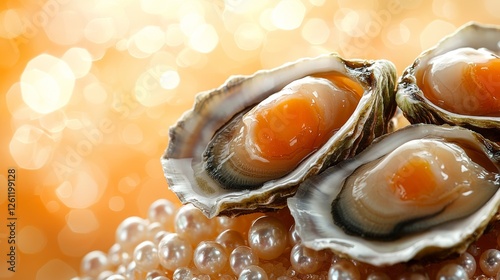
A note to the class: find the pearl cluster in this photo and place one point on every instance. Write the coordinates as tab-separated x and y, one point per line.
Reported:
181	243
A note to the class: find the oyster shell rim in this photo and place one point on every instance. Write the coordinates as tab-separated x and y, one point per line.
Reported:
418	109
377	77
440	241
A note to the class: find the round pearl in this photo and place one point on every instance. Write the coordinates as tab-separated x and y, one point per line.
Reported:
174	251
343	270
242	257
182	273
193	225
293	236
94	263
452	271
210	257
162	211
131	232
489	261
468	262
230	239
267	237
161	278
146	256
305	260
253	272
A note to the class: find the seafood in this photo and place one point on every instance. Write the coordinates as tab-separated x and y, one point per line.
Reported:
246	145
420	191
456	82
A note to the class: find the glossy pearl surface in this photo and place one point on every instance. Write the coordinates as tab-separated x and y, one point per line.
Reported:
343	270
191	224
131	232
268	237
174	251
241	258
210	257
253	272
146	256
452	271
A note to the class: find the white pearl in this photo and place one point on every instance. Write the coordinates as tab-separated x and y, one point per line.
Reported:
174	251
489	261
468	262
253	272
230	239
146	256
242	257
452	271
162	211
343	270
267	237
182	273
131	232
210	257
193	225
93	263
305	260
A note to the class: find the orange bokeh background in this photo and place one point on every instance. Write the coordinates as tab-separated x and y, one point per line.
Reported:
90	88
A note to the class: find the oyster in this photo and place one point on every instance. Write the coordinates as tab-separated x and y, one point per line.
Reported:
422	190
248	144
456	82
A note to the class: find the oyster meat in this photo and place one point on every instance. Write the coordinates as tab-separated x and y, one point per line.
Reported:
246	145
422	190
456	82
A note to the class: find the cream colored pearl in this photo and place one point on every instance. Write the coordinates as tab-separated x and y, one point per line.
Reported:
267	237
210	257
94	263
242	257
489	261
343	270
146	256
230	239
305	260
182	273
452	271
174	251
253	272
191	224
131	232
468	262
162	211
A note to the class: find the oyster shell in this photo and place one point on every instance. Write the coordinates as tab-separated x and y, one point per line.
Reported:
422	190
456	82
198	162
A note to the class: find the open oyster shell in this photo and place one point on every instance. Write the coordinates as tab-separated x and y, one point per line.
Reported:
387	226
184	161
454	83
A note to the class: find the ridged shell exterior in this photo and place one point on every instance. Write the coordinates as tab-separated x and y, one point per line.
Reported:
311	205
212	109
417	109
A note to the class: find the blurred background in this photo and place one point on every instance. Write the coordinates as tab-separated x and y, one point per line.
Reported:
90	88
